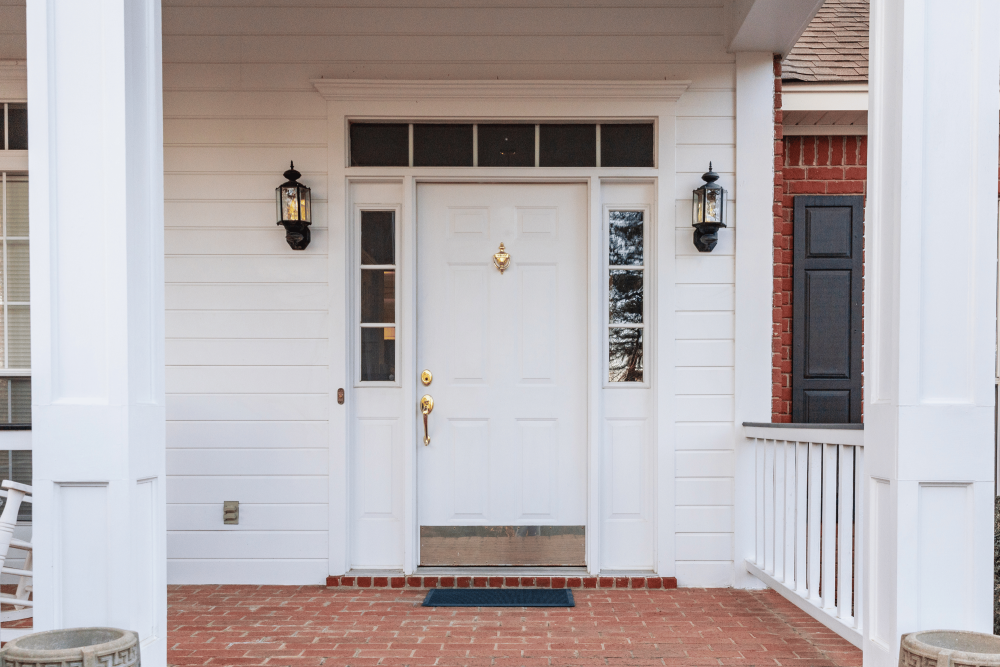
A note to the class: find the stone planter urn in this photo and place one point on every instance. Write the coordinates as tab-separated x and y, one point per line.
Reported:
949	648
75	647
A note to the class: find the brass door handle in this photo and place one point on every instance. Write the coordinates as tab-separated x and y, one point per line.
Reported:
426	407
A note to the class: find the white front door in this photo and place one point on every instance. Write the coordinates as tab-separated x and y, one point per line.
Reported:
503	478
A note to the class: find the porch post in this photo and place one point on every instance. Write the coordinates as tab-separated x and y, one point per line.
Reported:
930	308
97	336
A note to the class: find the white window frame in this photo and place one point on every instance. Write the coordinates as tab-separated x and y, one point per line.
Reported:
647	263
355	291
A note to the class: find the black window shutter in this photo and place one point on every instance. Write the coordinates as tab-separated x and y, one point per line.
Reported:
826	309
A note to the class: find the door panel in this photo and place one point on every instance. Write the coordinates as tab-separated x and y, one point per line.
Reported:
507	434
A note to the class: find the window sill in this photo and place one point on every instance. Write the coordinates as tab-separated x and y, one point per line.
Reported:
15	427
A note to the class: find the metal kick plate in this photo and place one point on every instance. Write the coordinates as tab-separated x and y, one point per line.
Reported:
502	545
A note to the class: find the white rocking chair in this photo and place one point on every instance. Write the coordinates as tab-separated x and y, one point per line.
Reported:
23	607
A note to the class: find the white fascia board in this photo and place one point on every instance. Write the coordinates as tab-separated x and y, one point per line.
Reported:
773	26
13	81
824	97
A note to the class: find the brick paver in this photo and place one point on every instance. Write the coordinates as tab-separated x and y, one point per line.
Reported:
334	627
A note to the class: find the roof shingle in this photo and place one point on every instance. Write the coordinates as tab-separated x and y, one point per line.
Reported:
834	47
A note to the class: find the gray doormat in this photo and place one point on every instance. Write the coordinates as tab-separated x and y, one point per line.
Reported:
499	597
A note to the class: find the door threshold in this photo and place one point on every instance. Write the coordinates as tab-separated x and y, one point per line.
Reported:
501	571
501	577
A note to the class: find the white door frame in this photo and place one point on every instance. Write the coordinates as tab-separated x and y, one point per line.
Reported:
497	101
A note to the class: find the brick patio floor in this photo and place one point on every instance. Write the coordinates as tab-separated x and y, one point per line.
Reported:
314	625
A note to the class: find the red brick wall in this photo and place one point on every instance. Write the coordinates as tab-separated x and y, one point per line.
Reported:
825	165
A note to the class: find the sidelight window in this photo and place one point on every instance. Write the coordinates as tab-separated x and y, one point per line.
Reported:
377	296
626	302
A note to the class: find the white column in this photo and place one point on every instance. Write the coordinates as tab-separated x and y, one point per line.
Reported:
930	307
754	228
96	205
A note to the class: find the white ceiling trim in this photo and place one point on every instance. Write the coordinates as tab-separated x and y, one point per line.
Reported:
362	89
13	81
824	97
773	26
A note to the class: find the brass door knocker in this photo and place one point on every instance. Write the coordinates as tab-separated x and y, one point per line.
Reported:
501	259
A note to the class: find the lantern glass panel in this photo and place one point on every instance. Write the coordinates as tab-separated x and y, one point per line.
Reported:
697	207
305	204
289	203
713	205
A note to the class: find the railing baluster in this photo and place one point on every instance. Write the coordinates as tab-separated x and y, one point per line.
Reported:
758	446
790	512
860	485
801	504
845	537
769	506
815	518
828	577
779	510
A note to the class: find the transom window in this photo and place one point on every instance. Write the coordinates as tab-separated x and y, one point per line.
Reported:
626	273
502	145
377	297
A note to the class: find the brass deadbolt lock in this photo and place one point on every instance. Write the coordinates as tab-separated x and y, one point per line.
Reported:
231	512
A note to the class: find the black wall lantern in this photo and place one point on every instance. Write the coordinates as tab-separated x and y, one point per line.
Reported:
708	211
294	209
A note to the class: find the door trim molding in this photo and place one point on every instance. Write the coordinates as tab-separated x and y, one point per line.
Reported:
381	89
442	101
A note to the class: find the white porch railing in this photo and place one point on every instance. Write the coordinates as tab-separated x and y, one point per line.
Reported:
809	518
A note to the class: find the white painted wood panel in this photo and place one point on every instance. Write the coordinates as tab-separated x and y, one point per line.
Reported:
236	241
718	491
284	489
431	21
246	544
704	325
702	546
249	352
252	571
253	517
715	296
233	461
248	379
236	185
250	324
704	352
246	296
705	464
705	408
697	380
704	519
256	214
705	574
249	269
242	434
708	435
253	407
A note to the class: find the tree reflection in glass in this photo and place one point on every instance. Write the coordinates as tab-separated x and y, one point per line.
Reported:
625	355
625	295
625	238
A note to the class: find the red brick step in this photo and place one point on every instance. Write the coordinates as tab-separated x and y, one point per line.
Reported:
500	582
